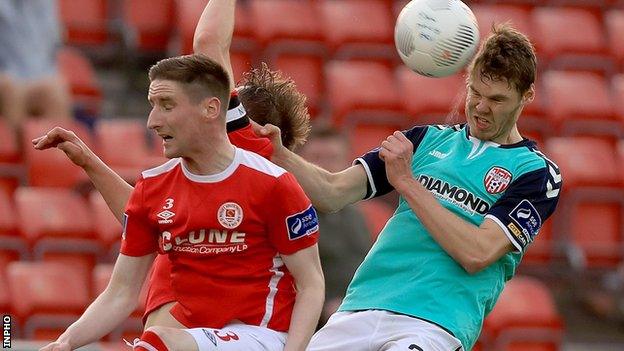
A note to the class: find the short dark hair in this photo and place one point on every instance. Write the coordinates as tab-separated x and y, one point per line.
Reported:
200	76
506	54
268	97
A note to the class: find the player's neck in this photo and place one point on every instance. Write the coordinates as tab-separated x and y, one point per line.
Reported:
213	159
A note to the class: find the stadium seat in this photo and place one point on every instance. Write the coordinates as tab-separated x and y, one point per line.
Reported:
9	152
107	227
148	23
364	88
367	136
46	297
358	28
81	77
432	100
51	167
122	144
586	49
241	63
525	314
188	13
299	24
580	103
85	21
307	72
614	20
377	214
592	198
489	14
12	244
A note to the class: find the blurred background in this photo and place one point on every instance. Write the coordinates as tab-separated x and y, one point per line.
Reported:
82	64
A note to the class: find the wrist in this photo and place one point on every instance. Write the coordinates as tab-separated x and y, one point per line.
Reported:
405	184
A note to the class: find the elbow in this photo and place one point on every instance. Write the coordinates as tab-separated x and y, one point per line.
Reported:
475	264
209	44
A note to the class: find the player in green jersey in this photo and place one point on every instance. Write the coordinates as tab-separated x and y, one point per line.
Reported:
472	199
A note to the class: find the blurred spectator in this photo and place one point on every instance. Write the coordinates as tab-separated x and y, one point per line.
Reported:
29	81
345	239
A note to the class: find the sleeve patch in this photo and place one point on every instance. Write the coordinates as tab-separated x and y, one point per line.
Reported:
302	223
527	219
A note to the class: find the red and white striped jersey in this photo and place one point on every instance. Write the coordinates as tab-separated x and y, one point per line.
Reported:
224	234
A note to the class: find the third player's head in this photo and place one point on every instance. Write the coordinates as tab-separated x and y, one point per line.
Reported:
500	83
189	97
270	98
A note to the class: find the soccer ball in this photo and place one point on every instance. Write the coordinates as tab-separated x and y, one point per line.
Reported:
436	38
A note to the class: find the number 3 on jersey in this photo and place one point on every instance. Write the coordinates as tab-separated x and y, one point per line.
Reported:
168	204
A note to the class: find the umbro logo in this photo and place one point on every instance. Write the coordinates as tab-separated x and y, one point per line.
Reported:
165	217
438	154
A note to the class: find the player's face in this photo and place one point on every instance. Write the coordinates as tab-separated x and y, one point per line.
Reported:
492	108
173	117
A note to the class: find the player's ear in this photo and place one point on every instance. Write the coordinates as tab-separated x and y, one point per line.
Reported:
529	95
211	107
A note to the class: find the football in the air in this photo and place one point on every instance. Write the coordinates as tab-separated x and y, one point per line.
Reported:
436	38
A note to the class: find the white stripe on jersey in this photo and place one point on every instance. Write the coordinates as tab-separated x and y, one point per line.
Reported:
260	163
164	168
270	300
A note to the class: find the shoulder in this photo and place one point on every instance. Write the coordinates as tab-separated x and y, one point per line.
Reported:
161	170
260	164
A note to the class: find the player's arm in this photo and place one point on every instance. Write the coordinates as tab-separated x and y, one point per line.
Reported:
305	266
474	247
214	31
112	307
115	190
328	191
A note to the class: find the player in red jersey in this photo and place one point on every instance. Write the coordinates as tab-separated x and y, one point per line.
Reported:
240	232
268	98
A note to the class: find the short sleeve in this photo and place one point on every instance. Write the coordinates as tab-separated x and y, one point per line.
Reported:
292	221
138	237
375	168
526	204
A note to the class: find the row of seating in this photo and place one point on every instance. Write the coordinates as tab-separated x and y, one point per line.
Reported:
45	297
151	24
567	102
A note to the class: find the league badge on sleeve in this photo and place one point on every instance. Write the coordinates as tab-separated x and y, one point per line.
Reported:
302	223
527	218
497	180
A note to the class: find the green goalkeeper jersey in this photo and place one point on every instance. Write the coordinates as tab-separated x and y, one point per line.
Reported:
408	272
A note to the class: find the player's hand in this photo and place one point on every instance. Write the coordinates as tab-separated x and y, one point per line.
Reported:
272	132
56	346
397	151
66	141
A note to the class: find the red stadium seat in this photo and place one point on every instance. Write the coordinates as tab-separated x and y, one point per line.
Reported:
299	21
586	49
51	167
377	214
241	63
149	23
614	20
361	87
46	297
432	100
525	314
58	225
12	244
580	103
51	212
81	77
367	136
188	14
107	227
358	28
307	72
8	144
592	199
85	21
123	146
487	15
